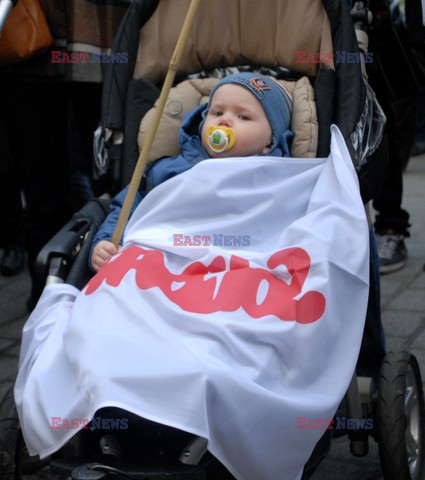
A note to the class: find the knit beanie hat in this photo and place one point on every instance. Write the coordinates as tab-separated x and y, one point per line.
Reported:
275	101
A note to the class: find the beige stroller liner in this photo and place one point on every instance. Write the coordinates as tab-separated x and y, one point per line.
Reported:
234	32
228	33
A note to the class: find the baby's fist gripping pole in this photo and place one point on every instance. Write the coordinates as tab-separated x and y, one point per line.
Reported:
168	82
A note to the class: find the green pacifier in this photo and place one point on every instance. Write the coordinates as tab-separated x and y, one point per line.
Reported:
220	139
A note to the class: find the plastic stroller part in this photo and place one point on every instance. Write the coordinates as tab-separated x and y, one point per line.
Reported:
362	18
110	446
93	471
220	139
194	451
359	445
107	469
70	247
400	418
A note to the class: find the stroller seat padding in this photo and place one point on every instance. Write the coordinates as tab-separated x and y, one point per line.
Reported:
236	32
188	94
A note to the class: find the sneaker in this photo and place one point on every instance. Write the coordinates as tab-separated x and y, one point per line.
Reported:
392	252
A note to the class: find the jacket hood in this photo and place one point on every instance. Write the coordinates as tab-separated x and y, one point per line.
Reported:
190	136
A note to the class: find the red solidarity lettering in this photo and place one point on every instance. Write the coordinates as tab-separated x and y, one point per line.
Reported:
198	288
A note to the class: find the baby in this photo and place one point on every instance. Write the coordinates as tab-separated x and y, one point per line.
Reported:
247	114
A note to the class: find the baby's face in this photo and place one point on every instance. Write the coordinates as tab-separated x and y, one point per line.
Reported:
235	107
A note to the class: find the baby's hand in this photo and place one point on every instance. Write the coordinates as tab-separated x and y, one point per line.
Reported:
102	252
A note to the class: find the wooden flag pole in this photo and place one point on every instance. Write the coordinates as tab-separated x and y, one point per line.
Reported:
168	82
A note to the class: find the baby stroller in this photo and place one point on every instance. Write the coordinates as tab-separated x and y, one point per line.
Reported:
353	111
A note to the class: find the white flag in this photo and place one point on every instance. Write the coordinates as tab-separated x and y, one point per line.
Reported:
235	309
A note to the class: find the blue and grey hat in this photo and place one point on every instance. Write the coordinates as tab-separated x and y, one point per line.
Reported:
275	101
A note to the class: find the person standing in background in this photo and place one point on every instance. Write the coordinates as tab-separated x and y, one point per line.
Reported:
50	111
397	40
12	260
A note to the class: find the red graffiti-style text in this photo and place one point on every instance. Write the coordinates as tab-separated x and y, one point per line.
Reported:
196	290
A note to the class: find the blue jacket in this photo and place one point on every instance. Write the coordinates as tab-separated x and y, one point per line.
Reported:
168	167
161	170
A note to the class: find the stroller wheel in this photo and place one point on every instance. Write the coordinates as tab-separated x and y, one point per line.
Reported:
400	418
15	462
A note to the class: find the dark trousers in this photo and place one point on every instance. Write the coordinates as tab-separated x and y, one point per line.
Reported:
35	126
83	118
395	77
401	128
11	210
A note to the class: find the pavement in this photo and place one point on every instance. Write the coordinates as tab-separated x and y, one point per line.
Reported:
403	316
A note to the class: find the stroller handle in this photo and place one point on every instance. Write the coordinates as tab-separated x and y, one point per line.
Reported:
5	8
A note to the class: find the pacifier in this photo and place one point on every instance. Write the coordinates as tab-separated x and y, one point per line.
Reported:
220	139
